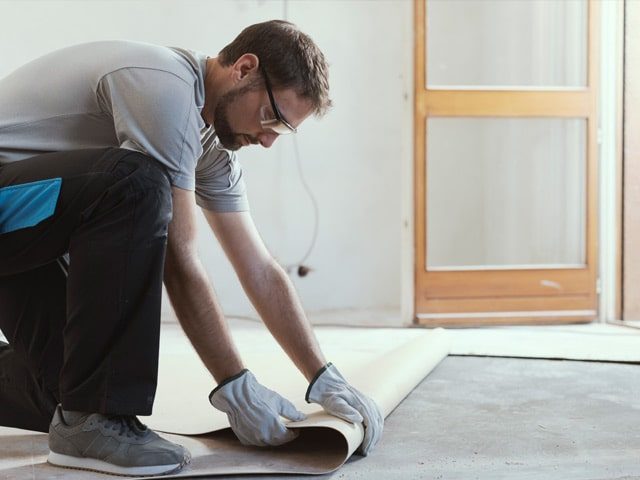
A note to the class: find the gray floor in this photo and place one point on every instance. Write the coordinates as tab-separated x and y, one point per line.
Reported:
502	418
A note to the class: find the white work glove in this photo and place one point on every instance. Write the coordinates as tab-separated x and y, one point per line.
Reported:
330	390
254	411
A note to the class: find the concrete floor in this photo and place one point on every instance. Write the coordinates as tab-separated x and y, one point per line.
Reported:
505	418
502	418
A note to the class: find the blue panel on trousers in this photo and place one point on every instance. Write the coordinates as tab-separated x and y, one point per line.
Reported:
28	204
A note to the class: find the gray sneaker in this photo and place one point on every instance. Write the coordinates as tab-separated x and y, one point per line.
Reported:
119	445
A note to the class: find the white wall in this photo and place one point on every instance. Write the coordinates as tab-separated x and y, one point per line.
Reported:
355	159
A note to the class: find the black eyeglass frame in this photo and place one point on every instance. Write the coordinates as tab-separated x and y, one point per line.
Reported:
276	110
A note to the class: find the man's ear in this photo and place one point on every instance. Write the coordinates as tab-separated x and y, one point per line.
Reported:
243	66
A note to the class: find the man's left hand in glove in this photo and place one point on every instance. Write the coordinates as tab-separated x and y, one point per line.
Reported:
254	411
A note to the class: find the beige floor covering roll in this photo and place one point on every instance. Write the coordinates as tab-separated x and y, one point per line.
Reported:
385	363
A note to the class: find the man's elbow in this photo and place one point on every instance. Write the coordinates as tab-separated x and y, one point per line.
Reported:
180	263
261	272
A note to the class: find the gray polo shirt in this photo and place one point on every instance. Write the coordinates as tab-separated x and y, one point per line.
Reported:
131	95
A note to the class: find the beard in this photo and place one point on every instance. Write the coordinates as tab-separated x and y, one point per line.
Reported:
228	138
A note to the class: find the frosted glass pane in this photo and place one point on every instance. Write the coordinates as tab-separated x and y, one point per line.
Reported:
505	192
506	43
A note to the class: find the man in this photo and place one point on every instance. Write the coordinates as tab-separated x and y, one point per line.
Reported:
105	150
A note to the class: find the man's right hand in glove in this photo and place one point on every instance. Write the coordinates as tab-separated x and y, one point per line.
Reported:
330	390
254	411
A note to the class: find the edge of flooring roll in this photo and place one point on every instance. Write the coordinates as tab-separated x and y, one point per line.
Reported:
325	442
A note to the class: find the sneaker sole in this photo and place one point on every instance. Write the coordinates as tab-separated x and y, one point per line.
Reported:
95	465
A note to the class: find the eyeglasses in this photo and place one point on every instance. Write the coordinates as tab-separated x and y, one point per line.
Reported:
278	124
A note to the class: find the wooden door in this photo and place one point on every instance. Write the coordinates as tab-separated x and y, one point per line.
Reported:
458	282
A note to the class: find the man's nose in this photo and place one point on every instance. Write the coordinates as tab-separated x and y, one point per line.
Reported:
267	139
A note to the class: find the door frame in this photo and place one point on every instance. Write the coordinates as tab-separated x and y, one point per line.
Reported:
631	153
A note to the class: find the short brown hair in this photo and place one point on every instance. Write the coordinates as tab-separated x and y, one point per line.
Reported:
290	58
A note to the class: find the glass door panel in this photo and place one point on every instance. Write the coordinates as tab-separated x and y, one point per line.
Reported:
506	43
506	193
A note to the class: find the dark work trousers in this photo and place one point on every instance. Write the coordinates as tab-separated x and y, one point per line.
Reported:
88	340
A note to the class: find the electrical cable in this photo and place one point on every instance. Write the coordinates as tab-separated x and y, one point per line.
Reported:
302	269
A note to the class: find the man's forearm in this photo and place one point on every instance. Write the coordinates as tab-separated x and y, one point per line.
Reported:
199	313
275	299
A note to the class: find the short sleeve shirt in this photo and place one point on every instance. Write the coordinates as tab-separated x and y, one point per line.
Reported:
131	95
